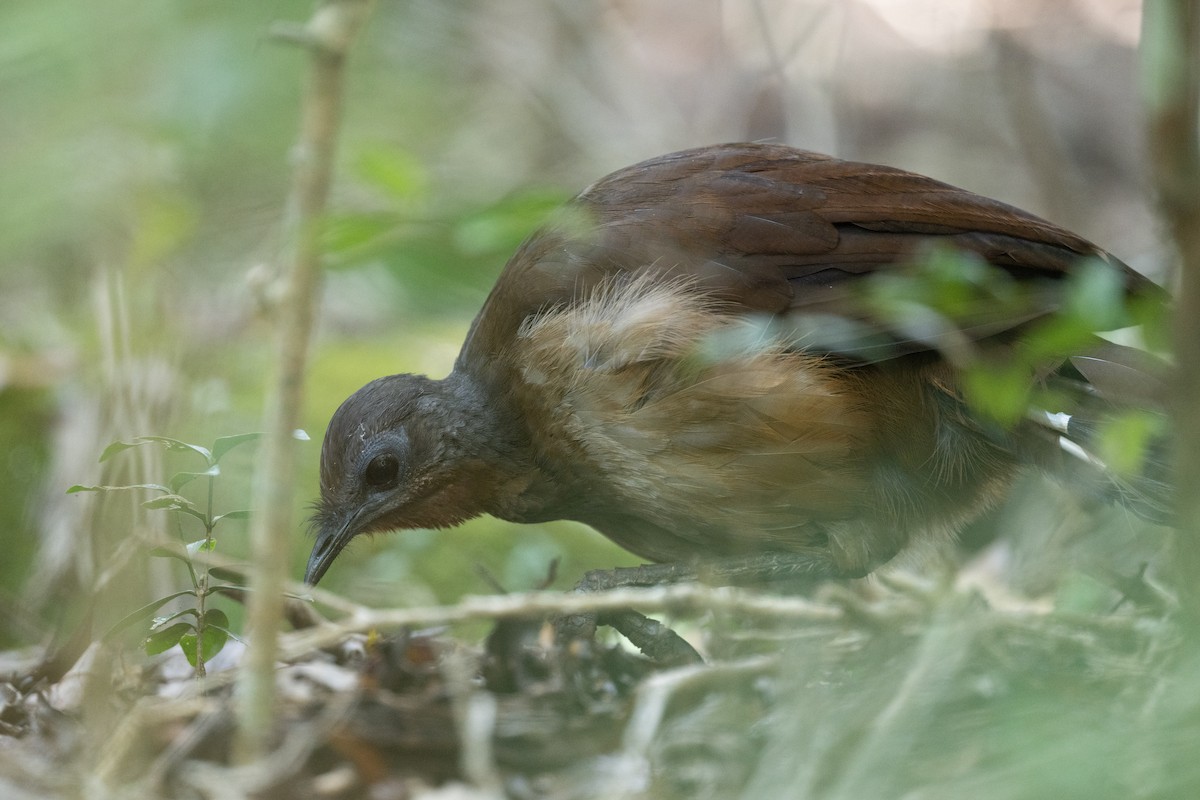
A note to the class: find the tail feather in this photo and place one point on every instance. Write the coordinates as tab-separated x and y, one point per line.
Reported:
1100	386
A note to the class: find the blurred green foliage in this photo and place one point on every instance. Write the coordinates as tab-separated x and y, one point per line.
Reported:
145	156
24	428
144	166
436	247
945	298
145	153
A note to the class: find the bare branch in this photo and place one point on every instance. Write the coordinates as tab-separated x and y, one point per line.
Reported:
678	598
329	36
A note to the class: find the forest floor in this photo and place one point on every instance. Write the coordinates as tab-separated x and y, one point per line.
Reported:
897	688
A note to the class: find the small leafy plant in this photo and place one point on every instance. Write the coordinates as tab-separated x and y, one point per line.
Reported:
199	630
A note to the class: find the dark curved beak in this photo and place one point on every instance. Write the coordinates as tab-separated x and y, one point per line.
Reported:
332	538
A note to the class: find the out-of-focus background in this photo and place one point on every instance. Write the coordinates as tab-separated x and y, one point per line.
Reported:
144	162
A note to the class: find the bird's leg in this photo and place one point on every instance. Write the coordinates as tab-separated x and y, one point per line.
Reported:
754	569
657	641
598	580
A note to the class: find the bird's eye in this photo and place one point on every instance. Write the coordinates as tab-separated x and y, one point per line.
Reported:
382	470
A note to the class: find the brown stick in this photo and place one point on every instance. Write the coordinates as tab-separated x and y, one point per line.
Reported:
328	35
1171	68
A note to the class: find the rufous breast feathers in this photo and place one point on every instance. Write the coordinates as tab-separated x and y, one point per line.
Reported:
657	384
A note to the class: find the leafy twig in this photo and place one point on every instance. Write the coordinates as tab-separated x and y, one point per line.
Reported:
203	635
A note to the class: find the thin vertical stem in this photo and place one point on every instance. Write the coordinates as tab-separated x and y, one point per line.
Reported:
1171	86
202	588
328	35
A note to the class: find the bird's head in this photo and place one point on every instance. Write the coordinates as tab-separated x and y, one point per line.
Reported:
402	452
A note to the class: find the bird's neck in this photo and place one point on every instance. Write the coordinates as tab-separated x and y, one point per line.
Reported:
490	447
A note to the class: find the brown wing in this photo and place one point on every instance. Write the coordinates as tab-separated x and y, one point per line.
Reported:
768	228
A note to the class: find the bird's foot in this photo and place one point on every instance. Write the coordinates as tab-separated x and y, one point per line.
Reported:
655	640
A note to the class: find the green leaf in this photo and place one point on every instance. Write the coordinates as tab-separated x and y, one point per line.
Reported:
397	172
144	613
1056	337
502	226
242	514
172	502
1096	296
228	633
352	239
175	444
1150	312
158	622
1125	438
226	443
158	487
998	392
167	552
171	444
207	545
215	616
181	479
118	447
224	574
163	640
943	289
213	641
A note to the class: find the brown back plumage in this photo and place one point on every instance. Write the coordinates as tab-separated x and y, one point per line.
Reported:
648	363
